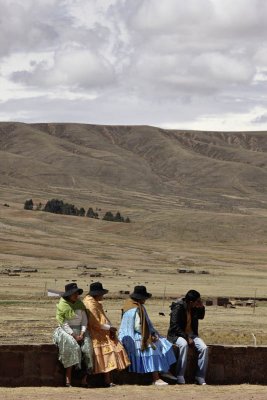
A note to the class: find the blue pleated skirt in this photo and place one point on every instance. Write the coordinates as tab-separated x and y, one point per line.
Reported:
157	357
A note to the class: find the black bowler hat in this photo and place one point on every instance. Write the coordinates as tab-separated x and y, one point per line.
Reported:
96	289
140	293
70	289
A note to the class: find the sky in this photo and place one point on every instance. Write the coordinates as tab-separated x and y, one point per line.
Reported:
177	64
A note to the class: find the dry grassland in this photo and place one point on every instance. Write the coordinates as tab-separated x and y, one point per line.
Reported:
34	320
126	255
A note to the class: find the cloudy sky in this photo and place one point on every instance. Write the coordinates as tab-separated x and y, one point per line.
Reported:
185	64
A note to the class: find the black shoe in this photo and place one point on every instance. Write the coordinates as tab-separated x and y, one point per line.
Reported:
168	376
85	385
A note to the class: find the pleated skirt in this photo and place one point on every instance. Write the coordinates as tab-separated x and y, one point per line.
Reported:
109	356
157	357
71	353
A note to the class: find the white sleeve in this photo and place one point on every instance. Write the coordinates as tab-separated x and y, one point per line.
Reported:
67	328
84	322
105	327
137	322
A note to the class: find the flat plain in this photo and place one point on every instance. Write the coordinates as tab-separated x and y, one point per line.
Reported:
60	247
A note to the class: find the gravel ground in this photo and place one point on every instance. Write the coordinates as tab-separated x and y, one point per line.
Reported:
187	392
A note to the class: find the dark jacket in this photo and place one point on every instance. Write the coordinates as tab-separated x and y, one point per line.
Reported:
178	319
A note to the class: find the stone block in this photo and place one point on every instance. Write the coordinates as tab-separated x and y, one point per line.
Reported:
12	364
31	364
35	365
216	374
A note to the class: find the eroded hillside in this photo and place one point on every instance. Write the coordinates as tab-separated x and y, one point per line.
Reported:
209	166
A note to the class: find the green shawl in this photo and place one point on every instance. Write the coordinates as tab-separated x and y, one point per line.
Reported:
66	310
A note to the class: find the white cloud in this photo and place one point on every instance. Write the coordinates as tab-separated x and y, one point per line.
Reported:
223	68
143	61
72	67
169	16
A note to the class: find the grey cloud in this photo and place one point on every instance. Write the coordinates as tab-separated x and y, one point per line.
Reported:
118	108
191	46
43	25
199	18
25	26
262	119
72	67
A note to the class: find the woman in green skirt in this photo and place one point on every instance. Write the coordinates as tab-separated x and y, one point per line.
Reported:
71	336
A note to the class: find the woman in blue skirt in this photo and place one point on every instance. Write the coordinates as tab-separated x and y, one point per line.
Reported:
147	350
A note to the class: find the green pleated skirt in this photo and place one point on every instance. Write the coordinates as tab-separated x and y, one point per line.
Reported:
70	351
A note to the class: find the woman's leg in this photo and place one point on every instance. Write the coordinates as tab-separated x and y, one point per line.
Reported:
84	380
157	380
108	379
68	376
155	376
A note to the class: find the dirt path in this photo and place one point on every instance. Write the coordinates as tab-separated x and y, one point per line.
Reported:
187	392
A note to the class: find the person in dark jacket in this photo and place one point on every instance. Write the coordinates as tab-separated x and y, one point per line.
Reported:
183	332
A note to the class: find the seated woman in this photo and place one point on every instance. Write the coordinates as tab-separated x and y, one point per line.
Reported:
109	353
146	349
71	336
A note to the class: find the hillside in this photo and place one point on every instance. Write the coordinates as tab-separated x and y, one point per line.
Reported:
228	169
196	200
175	185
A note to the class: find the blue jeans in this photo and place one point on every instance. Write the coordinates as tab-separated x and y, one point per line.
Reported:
202	350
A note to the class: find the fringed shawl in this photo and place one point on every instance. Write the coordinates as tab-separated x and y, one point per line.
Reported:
145	332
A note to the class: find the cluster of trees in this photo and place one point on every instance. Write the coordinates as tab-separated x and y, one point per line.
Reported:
28	205
115	218
59	207
91	214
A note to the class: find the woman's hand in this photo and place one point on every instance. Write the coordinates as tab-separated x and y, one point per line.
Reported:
112	332
154	338
190	342
78	338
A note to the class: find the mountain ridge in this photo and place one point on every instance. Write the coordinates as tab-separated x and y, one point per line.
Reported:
138	158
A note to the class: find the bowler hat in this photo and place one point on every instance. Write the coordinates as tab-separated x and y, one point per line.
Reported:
70	289
96	289
140	293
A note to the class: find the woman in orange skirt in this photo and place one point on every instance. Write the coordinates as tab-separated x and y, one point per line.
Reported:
109	354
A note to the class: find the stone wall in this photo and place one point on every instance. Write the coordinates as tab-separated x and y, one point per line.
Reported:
37	365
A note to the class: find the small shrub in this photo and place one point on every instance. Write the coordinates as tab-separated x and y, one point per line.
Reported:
91	214
28	205
108	216
82	212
